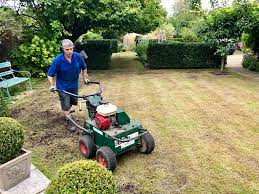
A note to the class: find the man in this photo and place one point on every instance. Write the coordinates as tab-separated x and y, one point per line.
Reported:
67	67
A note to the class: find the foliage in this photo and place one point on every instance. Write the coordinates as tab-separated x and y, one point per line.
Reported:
78	16
181	55
85	176
194	4
120	46
89	35
10	32
224	26
3	105
185	15
36	56
249	62
168	29
11	139
141	51
177	39
247	42
189	36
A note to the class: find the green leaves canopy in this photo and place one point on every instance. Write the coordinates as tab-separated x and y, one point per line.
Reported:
224	26
79	16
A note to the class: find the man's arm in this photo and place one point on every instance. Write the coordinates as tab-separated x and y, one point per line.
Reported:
85	75
52	85
51	81
51	73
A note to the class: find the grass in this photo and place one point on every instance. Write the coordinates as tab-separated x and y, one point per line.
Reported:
205	127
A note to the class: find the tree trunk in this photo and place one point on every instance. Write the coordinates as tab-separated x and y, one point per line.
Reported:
222	64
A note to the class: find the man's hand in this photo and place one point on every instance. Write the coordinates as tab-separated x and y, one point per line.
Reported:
52	89
86	81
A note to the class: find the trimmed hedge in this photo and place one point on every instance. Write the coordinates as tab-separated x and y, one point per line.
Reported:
84	176
99	52
114	45
11	139
180	55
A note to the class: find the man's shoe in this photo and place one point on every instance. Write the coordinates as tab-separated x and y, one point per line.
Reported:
71	126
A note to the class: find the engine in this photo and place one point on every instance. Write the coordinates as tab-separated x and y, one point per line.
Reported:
105	116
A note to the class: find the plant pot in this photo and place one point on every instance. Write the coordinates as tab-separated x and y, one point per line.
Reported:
15	170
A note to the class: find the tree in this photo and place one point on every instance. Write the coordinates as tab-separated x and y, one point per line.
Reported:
79	16
224	26
186	13
194	4
10	31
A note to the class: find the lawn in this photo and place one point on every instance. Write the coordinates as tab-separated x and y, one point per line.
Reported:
205	127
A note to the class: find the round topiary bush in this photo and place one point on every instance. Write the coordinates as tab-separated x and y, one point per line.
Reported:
84	176
11	139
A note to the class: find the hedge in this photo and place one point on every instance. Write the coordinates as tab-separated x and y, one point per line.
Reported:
180	55
114	45
99	52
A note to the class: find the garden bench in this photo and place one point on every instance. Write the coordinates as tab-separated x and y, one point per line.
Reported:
8	79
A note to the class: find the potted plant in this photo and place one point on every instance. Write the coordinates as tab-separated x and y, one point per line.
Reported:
15	162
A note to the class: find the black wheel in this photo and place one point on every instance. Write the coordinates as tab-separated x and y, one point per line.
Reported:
106	158
147	144
86	146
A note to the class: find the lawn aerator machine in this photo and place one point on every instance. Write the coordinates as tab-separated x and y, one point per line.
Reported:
109	131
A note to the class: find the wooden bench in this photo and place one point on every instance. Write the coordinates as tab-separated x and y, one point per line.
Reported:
8	79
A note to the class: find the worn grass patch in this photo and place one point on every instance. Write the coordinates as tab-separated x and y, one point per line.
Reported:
205	127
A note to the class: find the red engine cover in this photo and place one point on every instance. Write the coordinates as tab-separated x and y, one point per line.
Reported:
102	122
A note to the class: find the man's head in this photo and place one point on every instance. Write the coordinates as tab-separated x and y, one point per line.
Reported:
68	47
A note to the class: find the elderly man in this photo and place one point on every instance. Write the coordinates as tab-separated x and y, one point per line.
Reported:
67	67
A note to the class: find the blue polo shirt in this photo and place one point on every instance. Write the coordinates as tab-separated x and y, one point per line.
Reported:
67	73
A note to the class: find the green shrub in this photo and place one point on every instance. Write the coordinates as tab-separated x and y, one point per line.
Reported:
141	50
178	39
249	62
38	50
120	46
189	36
3	105
11	139
36	56
89	35
182	55
84	176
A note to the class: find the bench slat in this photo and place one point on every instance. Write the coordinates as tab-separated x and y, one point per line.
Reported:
5	64
5	73
12	82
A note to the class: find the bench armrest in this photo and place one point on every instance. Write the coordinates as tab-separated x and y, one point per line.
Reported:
26	72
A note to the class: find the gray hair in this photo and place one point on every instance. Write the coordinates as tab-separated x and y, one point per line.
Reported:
67	42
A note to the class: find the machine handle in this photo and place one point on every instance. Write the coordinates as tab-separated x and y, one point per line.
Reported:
77	125
82	96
